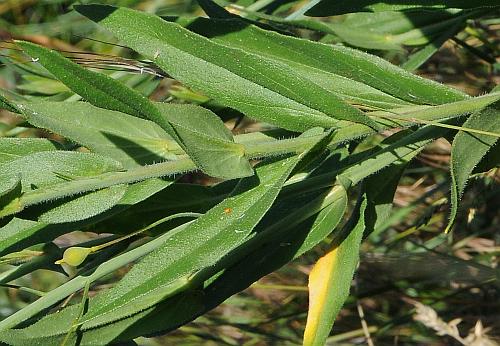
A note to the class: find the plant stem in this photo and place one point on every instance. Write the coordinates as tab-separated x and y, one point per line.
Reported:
79	282
348	131
142	230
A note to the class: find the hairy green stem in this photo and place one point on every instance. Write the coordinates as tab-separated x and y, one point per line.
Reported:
259	149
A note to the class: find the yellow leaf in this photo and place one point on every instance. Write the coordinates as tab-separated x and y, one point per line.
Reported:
318	293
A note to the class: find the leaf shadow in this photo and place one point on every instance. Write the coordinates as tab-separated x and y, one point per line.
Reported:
139	154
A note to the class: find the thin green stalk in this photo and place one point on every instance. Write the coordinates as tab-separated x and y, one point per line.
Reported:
447	126
79	282
24	289
76	255
153	225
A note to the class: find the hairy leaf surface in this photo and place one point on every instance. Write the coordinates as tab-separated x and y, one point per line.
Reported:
469	148
259	87
105	92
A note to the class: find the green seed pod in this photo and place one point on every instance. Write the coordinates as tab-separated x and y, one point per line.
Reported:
74	256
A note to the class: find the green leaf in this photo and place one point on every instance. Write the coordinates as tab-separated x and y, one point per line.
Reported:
329	8
19	234
391	30
174	199
354	65
45	169
330	281
42	256
272	252
134	141
70	186
418	58
17	230
50	167
204	132
285	224
231	281
83	207
397	149
46	330
490	161
105	92
14	148
259	87
10	182
78	283
468	149
6	104
127	139
97	88
284	238
42	85
325	222
181	254
180	263
380	189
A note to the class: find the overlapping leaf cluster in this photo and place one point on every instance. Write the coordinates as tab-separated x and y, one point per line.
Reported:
128	152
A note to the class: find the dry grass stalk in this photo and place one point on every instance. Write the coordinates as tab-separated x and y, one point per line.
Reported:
429	317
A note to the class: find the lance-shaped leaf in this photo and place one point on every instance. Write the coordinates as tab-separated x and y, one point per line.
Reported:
184	259
275	250
377	78
391	30
469	148
395	149
134	141
6	104
19	234
50	167
17	230
330	282
105	92
203	243
123	137
332	8
285	237
380	190
262	88
83	207
231	281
